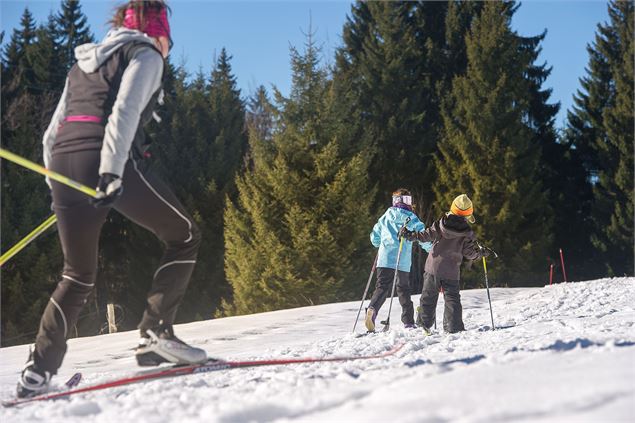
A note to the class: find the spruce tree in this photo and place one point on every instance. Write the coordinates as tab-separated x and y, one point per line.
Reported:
488	152
18	75
260	119
298	233
44	57
601	128
29	277
384	71
72	31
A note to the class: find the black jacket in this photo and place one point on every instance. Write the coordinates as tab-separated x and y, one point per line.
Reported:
452	240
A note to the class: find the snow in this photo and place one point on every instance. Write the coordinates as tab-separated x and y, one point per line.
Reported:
560	353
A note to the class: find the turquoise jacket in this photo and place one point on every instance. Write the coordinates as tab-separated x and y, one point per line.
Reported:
385	236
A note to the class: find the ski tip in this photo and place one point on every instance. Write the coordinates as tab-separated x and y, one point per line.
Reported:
74	380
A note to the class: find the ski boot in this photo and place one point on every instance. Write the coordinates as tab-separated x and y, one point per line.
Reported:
33	381
371	314
160	345
426	330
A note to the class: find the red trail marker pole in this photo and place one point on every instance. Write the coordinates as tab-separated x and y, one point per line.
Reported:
564	273
550	274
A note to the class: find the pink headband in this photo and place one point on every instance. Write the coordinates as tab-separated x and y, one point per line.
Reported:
156	22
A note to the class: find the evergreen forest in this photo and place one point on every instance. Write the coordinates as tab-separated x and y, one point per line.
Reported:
440	97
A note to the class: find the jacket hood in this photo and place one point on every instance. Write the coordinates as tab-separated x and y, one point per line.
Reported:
91	56
454	226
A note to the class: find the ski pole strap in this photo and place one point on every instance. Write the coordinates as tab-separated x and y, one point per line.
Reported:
5	154
27	239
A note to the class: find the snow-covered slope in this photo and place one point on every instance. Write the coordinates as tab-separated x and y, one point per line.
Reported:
561	353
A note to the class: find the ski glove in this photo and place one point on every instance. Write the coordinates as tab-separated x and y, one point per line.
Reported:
407	234
109	188
486	251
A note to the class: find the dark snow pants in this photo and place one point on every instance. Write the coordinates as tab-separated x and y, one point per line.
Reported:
145	200
383	289
452	313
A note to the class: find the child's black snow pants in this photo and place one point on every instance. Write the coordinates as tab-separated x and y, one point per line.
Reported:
383	289
453	312
145	200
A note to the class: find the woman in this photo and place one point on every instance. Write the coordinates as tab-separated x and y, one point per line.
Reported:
96	138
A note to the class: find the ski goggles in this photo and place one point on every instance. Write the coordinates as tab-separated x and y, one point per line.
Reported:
403	199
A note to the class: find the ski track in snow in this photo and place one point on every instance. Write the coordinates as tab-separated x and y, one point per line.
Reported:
560	353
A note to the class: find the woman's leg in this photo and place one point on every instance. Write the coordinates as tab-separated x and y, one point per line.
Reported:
78	226
147	201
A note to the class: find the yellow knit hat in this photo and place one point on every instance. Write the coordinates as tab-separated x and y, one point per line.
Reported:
462	206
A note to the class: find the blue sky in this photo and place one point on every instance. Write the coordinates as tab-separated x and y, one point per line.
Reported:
258	35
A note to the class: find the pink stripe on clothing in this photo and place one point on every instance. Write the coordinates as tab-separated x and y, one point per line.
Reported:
83	118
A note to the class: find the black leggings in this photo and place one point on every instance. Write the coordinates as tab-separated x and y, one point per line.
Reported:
145	200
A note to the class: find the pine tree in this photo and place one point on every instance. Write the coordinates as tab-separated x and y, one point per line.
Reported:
228	112
488	151
601	128
298	233
29	277
560	169
384	71
44	58
260	119
73	31
18	75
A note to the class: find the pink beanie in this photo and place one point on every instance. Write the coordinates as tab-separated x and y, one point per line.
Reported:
156	24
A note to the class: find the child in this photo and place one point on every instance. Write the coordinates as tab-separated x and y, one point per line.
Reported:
385	237
452	240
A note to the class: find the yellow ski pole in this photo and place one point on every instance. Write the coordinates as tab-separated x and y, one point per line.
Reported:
5	154
27	239
491	314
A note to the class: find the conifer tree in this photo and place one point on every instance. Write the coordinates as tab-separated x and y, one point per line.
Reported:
601	128
488	152
18	74
72	31
44	58
260	119
298	232
383	70
29	277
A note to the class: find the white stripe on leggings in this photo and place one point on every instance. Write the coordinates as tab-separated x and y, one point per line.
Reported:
189	224
76	281
171	263
63	316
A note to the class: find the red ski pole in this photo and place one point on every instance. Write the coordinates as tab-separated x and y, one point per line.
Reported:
564	273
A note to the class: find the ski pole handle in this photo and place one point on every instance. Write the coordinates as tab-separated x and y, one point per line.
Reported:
5	154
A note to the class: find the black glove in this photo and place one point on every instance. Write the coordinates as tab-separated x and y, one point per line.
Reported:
109	189
407	234
486	251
